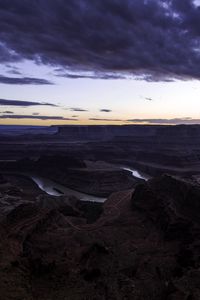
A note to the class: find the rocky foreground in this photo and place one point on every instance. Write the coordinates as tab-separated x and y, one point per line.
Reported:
143	244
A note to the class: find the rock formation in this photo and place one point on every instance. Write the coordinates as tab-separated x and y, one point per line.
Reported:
144	244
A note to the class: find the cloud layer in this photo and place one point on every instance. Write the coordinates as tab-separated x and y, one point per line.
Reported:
96	75
107	120
174	121
77	109
23	80
6	102
44	118
151	39
7	112
105	110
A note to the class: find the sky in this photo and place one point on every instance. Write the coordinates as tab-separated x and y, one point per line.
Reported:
99	62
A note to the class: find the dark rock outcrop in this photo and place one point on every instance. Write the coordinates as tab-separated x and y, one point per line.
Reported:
144	244
171	203
62	162
44	163
2	179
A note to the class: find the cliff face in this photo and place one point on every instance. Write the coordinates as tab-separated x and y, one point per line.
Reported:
145	133
143	245
105	132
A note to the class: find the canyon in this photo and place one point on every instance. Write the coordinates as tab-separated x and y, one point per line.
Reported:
140	242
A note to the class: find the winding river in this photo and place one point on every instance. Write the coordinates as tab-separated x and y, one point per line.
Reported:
136	174
54	189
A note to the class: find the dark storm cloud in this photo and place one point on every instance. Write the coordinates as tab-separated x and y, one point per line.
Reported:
78	109
23	80
7	55
151	39
174	121
6	102
107	120
105	110
37	117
